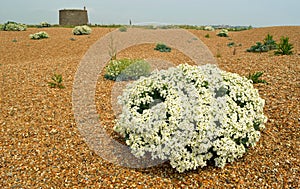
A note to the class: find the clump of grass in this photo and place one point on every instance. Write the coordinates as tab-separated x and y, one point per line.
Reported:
56	81
284	47
207	36
255	77
14	40
161	47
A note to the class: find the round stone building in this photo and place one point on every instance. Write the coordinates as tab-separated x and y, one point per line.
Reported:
73	17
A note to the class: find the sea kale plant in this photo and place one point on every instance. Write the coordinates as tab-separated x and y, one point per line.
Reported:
82	30
39	35
127	69
191	116
223	33
123	29
209	28
259	47
161	47
44	25
13	26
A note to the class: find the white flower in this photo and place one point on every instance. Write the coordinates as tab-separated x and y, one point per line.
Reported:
190	115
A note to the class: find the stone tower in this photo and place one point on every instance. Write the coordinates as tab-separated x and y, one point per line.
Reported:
73	17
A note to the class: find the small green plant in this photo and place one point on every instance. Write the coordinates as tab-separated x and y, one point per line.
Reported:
13	26
123	29
284	47
259	47
127	69
161	47
39	35
56	81
255	77
207	36
82	30
72	39
231	44
14	40
223	33
267	45
269	42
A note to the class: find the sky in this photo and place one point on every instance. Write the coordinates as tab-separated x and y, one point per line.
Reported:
257	13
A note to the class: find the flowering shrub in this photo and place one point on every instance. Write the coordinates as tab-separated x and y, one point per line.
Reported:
39	35
13	26
191	115
209	28
44	25
223	33
82	30
127	69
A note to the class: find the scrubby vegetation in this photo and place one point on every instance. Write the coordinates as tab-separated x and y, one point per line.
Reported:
82	30
209	28
161	47
127	69
267	45
39	35
123	29
223	33
270	42
175	115
44	25
284	47
13	26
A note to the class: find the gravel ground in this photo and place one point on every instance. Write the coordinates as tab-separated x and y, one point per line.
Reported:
41	146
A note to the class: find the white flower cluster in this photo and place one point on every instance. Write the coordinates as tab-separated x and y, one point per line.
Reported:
223	33
190	115
209	28
82	30
13	26
44	24
39	35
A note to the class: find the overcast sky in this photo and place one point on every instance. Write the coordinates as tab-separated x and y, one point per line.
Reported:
193	12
